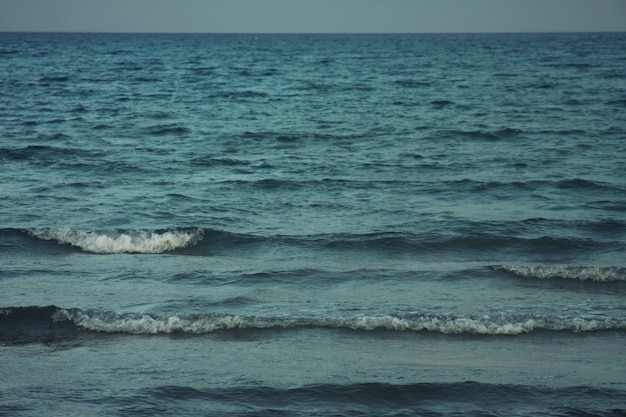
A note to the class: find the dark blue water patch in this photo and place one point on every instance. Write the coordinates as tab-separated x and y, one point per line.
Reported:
511	189
312	277
118	52
542	85
441	103
79	109
309	278
271	184
47	154
483	135
211	160
287	138
487	244
105	167
25	325
146	80
197	308
103	79
9	51
507	74
167	129
179	198
201	278
562	132
454	242
587	185
617	102
412	83
19	240
243	95
609	227
203	70
582	66
47	80
378	399
217	241
129	66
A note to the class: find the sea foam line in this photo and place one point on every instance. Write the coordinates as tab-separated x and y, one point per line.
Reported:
581	273
201	324
139	241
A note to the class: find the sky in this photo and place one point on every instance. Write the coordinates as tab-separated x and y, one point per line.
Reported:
312	16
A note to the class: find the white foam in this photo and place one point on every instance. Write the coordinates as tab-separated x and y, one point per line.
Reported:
581	273
139	241
444	325
148	324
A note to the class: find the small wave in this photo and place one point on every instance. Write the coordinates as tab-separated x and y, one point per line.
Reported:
45	154
581	273
54	79
210	160
477	242
382	399
581	184
19	325
24	325
441	103
411	83
204	241
138	241
172	129
504	133
108	322
485	325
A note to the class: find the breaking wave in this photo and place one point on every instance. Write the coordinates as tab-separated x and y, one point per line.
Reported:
206	240
50	323
581	273
137	241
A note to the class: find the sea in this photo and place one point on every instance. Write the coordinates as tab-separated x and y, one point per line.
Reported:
313	224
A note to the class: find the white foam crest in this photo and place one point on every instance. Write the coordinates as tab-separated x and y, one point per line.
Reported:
486	325
581	273
148	324
140	241
444	325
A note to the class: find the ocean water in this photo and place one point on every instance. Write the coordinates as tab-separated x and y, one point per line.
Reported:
306	225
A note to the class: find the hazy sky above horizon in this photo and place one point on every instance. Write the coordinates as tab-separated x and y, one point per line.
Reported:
355	16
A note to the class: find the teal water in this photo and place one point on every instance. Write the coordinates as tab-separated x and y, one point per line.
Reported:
312	224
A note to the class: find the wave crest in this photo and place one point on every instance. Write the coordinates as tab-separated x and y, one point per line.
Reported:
201	324
137	241
581	273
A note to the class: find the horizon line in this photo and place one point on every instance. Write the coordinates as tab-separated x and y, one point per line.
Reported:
309	33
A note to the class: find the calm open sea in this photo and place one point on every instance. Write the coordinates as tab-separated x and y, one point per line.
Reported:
306	225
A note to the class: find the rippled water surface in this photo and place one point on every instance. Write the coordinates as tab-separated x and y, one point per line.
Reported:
313	224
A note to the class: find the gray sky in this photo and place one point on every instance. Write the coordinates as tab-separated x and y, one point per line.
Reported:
312	15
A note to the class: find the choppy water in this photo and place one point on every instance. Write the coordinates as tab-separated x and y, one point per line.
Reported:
313	224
